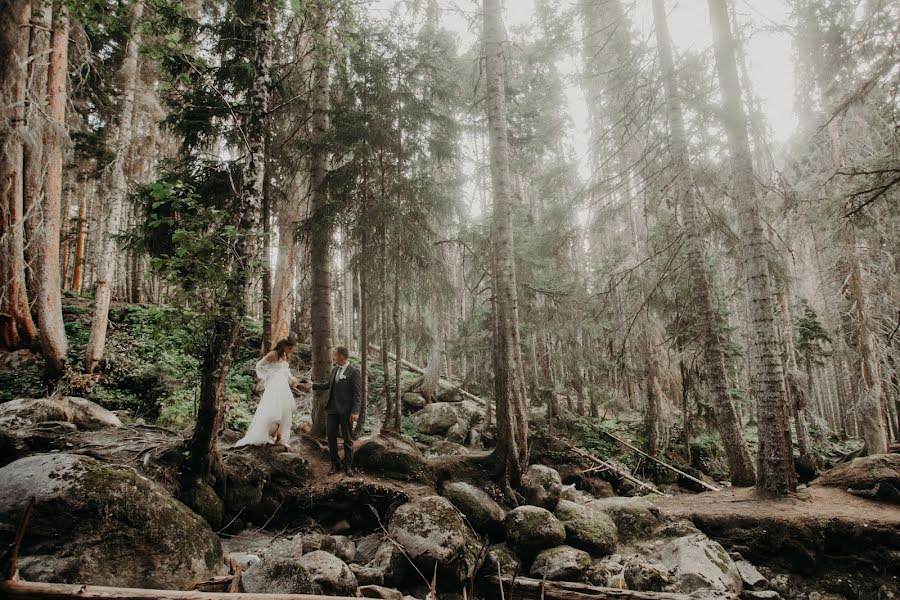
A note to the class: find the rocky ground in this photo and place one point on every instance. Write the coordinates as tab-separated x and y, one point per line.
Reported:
422	519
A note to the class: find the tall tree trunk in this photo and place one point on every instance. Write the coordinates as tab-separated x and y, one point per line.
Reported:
106	262
266	283
48	304
17	329
397	347
34	168
289	253
320	239
512	436
84	188
385	338
776	474
363	335
740	464
203	458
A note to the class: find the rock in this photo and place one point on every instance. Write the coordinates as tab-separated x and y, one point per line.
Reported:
317	541
329	573
432	532
483	513
457	434
750	576
261	482
587	528
413	400
617	581
500	559
367	547
435	419
344	548
104	524
242	559
278	575
634	517
446	448
390	562
646	576
760	595
469	414
675	529
377	591
562	563
83	413
864	473
541	486
393	456
700	563
367	575
530	529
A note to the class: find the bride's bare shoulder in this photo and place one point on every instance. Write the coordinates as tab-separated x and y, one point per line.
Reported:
272	357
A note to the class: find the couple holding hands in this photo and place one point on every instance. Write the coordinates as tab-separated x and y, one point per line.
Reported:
273	418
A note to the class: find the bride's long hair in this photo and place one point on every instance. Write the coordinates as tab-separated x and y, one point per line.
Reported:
282	346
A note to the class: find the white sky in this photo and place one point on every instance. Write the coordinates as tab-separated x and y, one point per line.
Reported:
769	52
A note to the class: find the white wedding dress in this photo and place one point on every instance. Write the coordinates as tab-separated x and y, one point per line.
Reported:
275	407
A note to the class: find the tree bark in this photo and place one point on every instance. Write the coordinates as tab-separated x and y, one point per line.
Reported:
775	464
398	392
203	458
512	435
320	238
106	262
48	304
17	329
289	253
737	452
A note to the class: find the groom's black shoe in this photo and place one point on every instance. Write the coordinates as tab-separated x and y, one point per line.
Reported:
334	470
349	470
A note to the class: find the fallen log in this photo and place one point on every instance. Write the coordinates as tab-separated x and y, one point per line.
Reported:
563	590
708	486
417	369
610	467
32	590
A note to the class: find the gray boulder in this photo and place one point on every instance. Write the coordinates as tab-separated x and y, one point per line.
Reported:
446	448
457	434
367	547
700	563
646	576
84	414
278	575
392	456
390	564
634	517
435	419
587	527
542	486
751	577
562	563
329	573
103	524
500	559
380	593
413	400
483	513
432	532
530	529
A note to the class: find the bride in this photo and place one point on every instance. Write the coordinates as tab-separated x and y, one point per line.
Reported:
272	420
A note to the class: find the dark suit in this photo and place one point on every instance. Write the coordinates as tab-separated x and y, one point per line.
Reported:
344	398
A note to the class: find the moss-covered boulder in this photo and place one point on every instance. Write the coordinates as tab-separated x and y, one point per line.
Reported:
432	532
392	456
483	513
500	560
865	473
84	414
562	563
262	481
434	419
634	517
542	486
530	529
103	524
279	575
587	528
699	563
329	573
645	576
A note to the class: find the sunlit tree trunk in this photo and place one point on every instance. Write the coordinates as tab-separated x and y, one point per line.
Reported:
106	261
776	474
289	253
738	454
320	309
512	436
48	304
17	328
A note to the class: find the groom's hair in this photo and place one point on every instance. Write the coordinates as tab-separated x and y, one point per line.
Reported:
342	350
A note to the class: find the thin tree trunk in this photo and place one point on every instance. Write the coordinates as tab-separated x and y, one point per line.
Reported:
776	474
736	450
80	232
385	338
363	335
397	346
203	458
512	435
17	329
48	303
320	239
115	202
266	283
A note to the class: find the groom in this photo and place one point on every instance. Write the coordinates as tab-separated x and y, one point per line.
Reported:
342	407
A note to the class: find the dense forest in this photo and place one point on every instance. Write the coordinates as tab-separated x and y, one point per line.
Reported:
577	236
